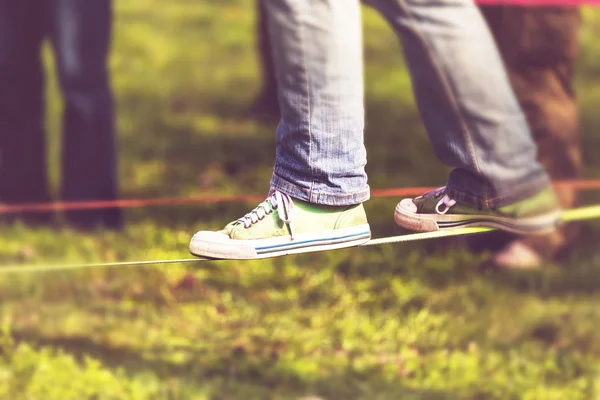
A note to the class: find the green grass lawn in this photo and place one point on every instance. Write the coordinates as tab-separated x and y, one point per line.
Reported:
411	321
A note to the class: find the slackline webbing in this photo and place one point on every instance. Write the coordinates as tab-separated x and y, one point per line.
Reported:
577	214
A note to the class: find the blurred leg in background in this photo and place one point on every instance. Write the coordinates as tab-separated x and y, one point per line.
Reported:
22	140
266	104
539	46
80	32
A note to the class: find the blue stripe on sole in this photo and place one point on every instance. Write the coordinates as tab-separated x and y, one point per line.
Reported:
313	243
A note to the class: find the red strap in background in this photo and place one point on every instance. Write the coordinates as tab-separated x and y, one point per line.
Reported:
539	3
175	201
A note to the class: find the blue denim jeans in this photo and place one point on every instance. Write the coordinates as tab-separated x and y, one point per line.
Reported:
79	31
462	91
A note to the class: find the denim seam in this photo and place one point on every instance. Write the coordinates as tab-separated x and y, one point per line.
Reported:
448	88
302	40
288	184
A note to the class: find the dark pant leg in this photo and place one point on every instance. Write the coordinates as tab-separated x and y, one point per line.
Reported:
267	101
539	46
81	33
22	143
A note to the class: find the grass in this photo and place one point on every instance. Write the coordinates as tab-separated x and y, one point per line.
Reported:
418	321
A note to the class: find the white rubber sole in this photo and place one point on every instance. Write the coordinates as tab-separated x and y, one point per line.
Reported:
220	246
539	225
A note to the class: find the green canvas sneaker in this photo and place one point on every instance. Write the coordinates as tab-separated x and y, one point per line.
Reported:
280	226
435	210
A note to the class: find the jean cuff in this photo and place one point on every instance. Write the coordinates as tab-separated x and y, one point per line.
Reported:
317	197
516	193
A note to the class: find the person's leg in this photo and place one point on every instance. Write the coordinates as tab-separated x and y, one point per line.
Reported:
319	179
463	93
22	143
474	123
266	103
317	48
81	33
539	46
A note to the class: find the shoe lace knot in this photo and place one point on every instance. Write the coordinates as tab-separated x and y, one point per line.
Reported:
273	202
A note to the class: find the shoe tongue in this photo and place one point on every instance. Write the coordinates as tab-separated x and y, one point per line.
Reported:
435	193
426	204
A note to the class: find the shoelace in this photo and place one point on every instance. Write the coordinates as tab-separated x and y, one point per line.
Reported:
265	208
447	201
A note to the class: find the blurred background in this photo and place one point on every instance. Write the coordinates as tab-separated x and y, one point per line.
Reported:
423	320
